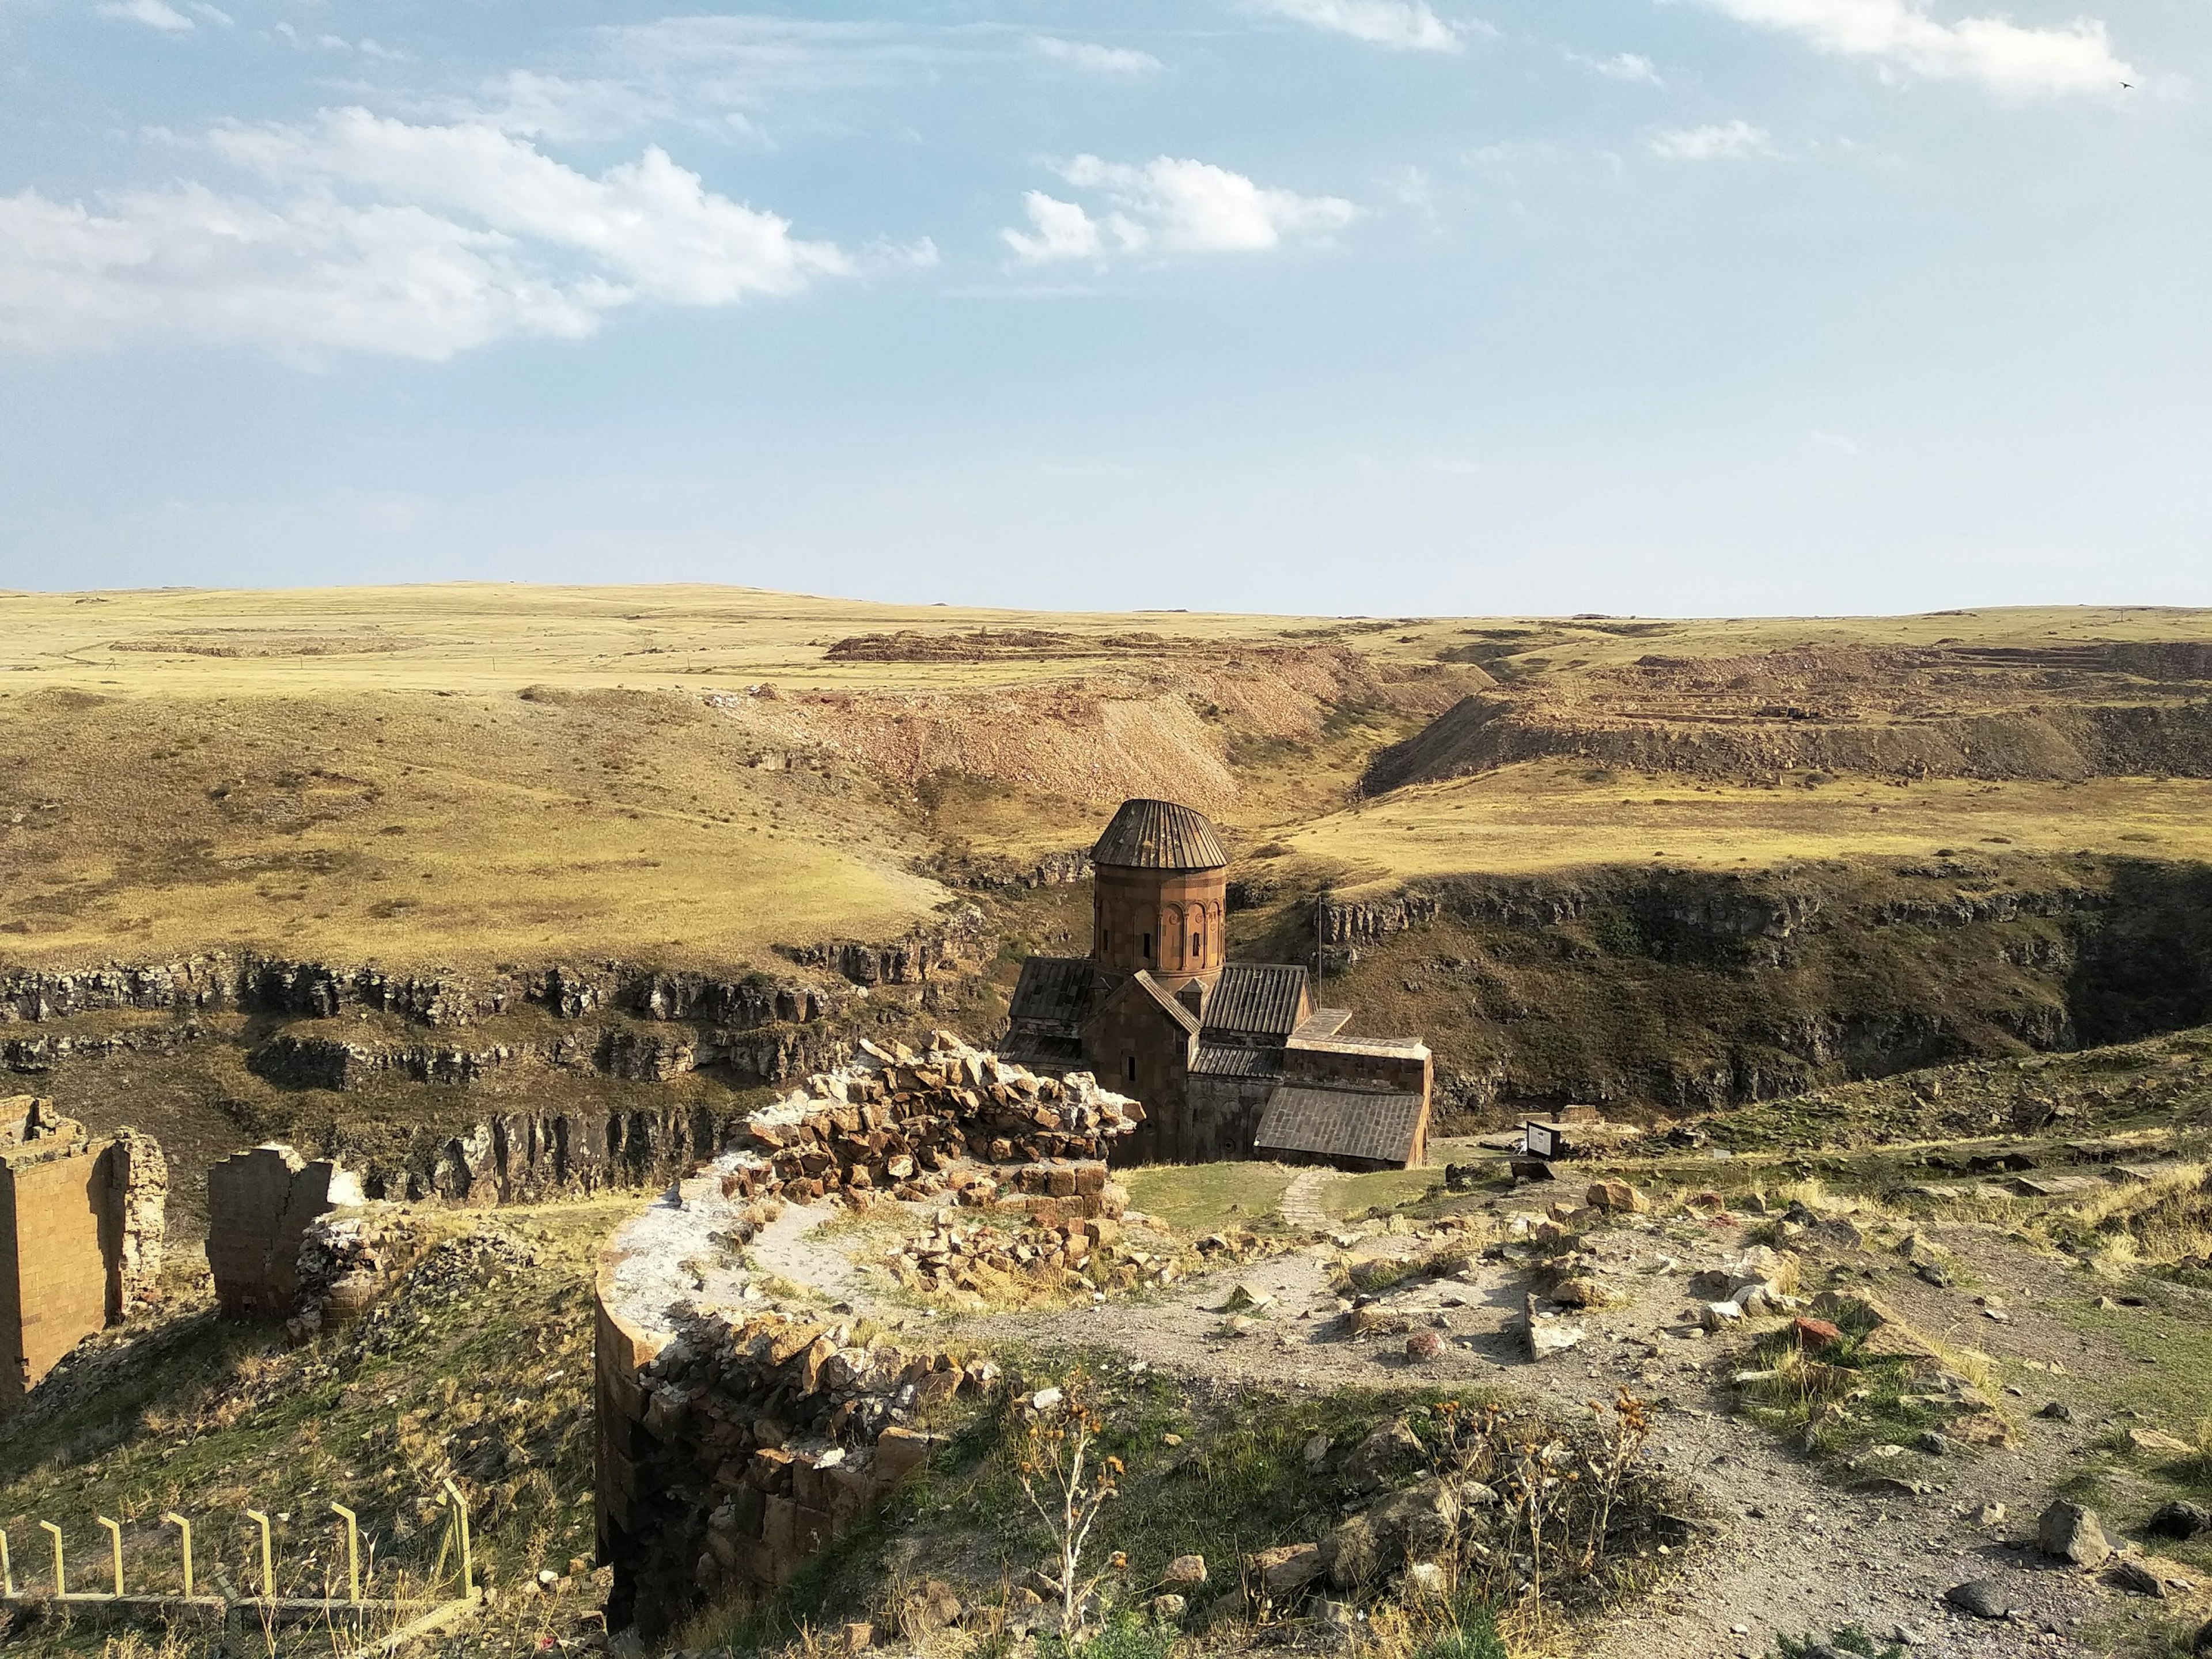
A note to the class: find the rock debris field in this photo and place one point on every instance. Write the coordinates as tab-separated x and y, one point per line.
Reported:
1667	1302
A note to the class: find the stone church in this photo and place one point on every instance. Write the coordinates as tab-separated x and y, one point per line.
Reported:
1232	1060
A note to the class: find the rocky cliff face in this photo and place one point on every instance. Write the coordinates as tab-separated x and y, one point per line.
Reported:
1682	990
249	983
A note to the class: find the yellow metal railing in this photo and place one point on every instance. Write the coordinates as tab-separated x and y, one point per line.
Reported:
455	1543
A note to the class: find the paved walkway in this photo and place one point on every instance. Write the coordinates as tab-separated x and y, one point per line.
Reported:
1300	1205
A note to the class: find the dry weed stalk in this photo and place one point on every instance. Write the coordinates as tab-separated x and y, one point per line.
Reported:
1619	1446
1069	1487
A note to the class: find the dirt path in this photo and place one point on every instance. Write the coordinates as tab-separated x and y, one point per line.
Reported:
1793	1551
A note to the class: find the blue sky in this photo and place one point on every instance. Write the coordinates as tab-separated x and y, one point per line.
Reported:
1668	306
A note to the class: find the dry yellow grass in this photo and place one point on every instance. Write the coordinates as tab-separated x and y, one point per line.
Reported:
425	831
486	637
1543	815
358	773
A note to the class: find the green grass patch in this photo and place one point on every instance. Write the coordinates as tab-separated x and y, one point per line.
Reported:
1842	1399
1202	1198
1384	1190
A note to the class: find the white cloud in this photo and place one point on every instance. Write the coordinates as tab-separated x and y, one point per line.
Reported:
154	13
1835	441
1173	206
1094	59
1621	66
653	224
2008	58
418	241
1401	25
1727	142
1060	230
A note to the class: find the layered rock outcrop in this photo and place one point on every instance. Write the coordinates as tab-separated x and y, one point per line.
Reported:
247	982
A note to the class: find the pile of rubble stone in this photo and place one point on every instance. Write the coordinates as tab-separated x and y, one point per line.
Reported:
907	1125
974	1265
347	1259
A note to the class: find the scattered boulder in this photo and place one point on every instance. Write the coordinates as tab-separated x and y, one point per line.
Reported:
1184	1571
1388	1448
2157	1442
2058	1411
1982	1598
2068	1532
1419	1521
1616	1197
1350	1554
2135	1578
1424	1345
1816	1335
1285	1571
1169	1609
2180	1519
1547	1333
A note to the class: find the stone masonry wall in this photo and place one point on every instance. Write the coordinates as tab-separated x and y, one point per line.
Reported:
729	1453
260	1205
897	1120
53	1276
81	1235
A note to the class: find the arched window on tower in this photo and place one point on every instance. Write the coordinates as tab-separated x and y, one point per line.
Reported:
1148	952
1129	1068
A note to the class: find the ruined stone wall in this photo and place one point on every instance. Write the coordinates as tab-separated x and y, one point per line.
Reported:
81	1235
53	1275
896	1120
729	1453
733	1443
260	1205
135	1230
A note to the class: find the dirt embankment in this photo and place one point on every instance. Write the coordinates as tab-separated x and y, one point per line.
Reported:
1140	728
2066	712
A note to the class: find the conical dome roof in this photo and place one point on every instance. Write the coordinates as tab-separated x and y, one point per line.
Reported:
1159	834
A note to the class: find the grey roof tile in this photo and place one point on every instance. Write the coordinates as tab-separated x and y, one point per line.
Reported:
1160	835
1321	1121
1256	1001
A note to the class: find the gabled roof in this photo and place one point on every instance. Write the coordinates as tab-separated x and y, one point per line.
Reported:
1144	985
1159	834
1054	991
1256	1002
1236	1059
1321	1120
